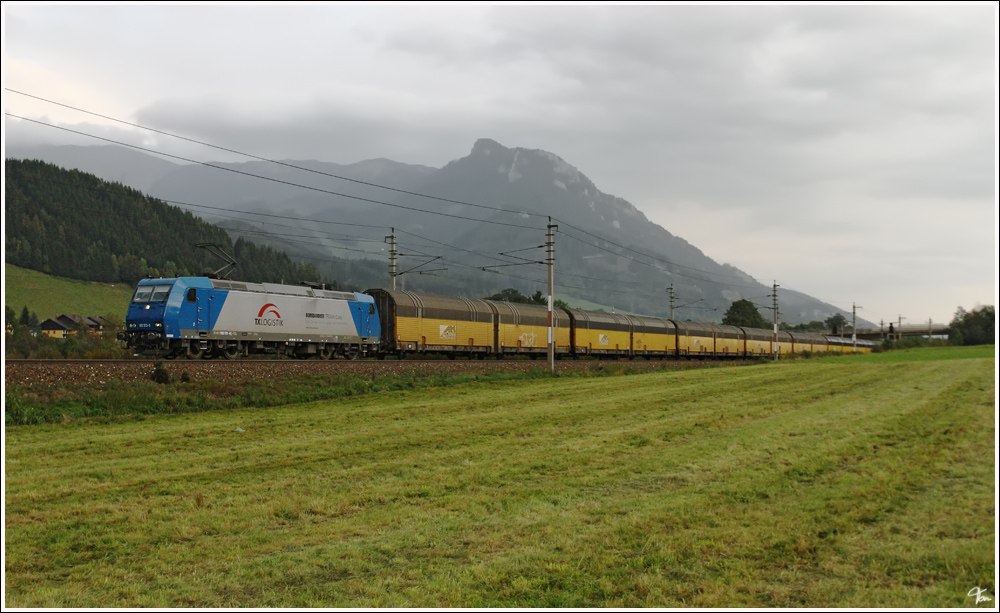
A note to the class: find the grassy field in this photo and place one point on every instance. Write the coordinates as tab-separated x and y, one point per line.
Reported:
843	484
918	354
52	296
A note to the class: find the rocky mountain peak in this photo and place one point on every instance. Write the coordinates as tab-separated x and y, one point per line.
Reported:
488	146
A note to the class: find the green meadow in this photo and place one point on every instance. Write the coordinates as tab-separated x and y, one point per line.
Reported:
845	483
51	296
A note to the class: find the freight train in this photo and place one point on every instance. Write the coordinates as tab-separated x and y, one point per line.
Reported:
201	318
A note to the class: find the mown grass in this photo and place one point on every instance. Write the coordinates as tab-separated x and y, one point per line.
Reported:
51	296
919	354
802	484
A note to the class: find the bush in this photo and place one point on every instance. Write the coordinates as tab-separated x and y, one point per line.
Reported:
974	328
17	412
160	374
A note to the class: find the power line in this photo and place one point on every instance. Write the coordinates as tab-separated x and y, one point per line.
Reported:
659	268
373	201
652	257
278	162
273	180
286	164
276	235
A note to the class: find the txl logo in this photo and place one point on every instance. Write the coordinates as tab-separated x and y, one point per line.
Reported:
264	309
271	308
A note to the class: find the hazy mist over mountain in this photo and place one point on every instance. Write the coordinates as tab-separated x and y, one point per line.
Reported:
607	251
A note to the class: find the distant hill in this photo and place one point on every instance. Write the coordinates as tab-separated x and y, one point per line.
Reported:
51	296
109	162
607	250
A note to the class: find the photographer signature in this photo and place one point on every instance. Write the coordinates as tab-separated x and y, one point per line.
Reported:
978	593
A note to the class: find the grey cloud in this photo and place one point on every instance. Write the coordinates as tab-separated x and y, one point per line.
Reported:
776	113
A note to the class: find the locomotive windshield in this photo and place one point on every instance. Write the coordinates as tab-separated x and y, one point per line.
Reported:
151	293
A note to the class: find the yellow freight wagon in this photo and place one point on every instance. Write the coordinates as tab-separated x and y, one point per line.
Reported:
785	344
653	337
804	341
838	344
596	333
846	345
866	346
694	339
730	341
524	328
428	323
759	342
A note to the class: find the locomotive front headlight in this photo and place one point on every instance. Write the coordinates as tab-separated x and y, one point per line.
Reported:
159	325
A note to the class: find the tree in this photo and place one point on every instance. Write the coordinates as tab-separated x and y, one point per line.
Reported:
836	322
975	328
744	313
512	295
9	318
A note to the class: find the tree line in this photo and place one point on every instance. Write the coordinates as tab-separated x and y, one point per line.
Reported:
976	327
72	224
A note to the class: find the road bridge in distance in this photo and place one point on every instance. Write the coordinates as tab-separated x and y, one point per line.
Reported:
906	330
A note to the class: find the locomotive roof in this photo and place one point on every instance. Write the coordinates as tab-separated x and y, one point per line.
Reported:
277	288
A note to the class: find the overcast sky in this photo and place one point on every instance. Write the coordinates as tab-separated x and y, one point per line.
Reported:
849	152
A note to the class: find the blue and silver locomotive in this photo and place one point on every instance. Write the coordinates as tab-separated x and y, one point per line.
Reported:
199	317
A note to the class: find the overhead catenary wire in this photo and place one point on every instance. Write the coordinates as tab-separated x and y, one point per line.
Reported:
373	226
370	200
367	183
273	180
289	241
273	161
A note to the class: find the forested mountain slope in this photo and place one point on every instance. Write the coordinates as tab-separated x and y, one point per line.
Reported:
74	225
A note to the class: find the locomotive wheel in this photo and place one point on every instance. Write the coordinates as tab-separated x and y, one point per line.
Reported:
326	352
352	353
231	352
194	353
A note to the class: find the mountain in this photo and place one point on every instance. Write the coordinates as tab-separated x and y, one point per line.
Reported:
607	250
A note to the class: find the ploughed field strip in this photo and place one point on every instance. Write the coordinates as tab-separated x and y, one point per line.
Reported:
800	484
75	372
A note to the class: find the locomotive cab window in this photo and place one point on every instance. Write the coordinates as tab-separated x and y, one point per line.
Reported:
371	309
142	293
160	293
151	293
192	295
